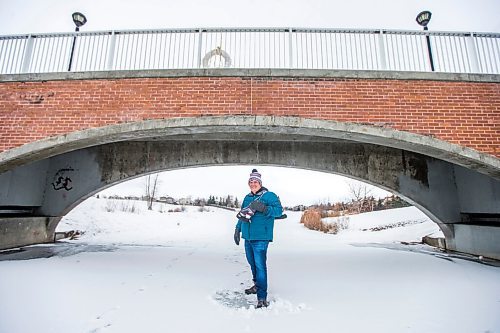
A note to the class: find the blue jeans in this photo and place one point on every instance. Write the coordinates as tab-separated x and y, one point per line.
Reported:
256	252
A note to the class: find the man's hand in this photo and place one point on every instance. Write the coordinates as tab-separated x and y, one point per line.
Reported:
245	214
259	207
237	236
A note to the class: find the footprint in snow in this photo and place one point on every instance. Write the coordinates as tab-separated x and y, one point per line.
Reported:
238	300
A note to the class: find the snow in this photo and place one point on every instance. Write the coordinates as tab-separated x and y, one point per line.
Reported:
152	271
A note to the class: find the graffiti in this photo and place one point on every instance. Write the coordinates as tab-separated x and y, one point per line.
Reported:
62	181
36	98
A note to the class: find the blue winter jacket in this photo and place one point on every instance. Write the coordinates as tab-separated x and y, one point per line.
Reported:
261	225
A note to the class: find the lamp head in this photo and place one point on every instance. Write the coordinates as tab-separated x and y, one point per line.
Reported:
79	19
423	18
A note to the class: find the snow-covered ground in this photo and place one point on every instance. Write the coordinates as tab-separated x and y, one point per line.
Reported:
153	271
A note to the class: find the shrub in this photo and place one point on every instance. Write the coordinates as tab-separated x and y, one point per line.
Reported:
343	222
177	209
127	206
330	228
330	213
110	206
312	220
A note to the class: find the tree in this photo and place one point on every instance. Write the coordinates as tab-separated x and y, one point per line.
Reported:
151	187
359	192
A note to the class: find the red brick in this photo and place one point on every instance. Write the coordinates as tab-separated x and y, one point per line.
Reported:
464	113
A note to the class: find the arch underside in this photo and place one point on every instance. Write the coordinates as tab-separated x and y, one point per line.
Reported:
256	128
443	180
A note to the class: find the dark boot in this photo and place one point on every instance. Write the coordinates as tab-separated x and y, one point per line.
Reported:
251	290
262	303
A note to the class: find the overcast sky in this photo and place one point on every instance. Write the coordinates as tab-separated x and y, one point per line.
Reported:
294	186
25	16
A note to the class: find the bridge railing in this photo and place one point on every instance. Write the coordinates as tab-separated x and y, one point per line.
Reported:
285	48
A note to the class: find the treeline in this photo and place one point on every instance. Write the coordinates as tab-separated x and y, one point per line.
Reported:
355	206
227	201
313	216
363	205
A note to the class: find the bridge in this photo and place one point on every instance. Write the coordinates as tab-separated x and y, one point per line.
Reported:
364	104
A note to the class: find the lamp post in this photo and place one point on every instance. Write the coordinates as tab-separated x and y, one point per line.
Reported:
423	19
79	20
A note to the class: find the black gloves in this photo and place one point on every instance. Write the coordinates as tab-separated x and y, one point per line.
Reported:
259	207
245	214
237	236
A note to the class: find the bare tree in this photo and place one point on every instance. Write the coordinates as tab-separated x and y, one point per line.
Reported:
151	187
359	192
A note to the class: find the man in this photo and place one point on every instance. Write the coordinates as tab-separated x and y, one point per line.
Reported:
256	223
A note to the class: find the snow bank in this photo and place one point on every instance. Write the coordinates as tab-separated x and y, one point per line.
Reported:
406	224
161	226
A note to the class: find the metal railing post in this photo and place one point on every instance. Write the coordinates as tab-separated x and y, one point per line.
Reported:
27	54
290	52
200	39
110	64
72	50
473	56
381	51
429	49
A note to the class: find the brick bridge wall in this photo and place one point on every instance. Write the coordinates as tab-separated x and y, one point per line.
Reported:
464	113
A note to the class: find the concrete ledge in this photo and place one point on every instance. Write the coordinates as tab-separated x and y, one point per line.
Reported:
256	72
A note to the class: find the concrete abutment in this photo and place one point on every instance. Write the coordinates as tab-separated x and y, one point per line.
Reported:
22	231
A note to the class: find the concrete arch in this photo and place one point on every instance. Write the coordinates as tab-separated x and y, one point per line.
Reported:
434	175
236	128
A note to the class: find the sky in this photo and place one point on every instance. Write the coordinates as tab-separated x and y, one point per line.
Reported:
29	16
294	186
